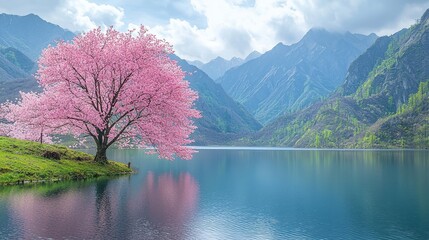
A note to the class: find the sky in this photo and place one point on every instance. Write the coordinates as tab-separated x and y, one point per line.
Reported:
204	29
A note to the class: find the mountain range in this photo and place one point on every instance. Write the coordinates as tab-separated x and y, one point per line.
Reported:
383	102
290	77
218	66
328	90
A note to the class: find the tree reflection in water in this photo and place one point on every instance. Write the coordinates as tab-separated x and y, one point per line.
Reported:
168	200
162	206
165	205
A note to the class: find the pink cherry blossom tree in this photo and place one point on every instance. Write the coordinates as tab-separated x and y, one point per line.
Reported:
114	88
28	118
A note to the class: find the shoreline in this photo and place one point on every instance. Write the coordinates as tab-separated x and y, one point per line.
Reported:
23	162
58	180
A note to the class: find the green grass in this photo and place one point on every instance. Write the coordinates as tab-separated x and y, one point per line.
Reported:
24	161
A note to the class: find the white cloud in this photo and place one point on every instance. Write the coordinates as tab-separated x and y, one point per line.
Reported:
85	15
234	28
363	16
237	27
75	15
205	29
132	26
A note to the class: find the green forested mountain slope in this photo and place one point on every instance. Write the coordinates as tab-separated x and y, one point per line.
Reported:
408	128
366	110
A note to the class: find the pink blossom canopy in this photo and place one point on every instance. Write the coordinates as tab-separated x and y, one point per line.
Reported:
118	88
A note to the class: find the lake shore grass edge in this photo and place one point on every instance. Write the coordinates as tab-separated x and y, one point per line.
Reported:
23	162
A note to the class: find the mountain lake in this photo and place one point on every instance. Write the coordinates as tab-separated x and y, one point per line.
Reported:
233	193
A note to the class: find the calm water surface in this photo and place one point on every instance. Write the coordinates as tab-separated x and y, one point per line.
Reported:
233	194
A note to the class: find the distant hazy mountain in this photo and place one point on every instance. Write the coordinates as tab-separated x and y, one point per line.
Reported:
196	63
29	34
218	66
15	74
383	102
252	55
223	118
288	78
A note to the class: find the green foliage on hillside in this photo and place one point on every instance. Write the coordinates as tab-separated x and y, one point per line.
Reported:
409	126
416	102
324	126
370	87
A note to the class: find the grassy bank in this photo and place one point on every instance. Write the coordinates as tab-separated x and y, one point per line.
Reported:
24	161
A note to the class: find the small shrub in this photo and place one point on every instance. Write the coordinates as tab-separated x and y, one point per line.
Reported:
51	155
5	169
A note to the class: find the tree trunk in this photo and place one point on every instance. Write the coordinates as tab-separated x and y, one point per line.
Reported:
101	157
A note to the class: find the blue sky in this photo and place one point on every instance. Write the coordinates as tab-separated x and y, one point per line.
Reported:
204	29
